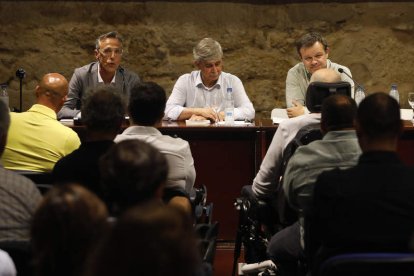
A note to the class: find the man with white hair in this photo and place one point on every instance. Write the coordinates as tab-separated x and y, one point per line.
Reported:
192	92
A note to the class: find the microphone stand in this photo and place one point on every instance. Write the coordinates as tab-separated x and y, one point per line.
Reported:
20	73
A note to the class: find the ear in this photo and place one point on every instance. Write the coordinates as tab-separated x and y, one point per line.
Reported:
327	52
97	54
37	91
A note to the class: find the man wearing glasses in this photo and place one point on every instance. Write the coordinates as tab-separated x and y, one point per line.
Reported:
105	71
313	51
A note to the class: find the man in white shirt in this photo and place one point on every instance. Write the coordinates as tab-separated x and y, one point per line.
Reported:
190	98
146	109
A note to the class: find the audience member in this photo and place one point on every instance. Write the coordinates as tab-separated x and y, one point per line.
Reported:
266	181
146	109
369	207
339	148
191	93
313	51
132	172
105	70
19	196
102	114
36	139
150	239
66	227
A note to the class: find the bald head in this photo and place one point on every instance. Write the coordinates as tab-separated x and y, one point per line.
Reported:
52	91
325	75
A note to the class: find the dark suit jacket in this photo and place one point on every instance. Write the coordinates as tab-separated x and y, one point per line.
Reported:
82	166
366	208
86	77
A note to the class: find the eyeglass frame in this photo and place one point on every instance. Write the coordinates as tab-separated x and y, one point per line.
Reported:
111	51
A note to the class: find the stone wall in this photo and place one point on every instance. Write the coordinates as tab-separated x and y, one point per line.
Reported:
375	40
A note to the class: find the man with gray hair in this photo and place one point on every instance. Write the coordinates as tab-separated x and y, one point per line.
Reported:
19	196
106	70
190	98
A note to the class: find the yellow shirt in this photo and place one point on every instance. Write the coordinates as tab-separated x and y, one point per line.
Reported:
36	140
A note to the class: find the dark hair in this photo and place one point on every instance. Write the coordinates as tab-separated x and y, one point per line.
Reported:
131	173
308	40
379	116
112	34
65	227
103	109
147	103
150	239
338	112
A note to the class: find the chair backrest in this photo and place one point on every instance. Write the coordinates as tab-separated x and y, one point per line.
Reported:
318	91
304	136
43	180
377	264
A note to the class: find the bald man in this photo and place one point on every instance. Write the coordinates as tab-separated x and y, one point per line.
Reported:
266	180
36	139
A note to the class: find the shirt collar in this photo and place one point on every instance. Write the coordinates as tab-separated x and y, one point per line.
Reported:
42	109
100	80
199	82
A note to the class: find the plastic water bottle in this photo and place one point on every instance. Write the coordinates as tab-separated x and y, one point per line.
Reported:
359	94
229	107
4	96
394	92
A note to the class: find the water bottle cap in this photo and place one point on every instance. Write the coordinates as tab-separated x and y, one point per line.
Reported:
393	86
3	85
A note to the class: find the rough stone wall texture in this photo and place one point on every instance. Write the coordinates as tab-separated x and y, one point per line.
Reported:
375	40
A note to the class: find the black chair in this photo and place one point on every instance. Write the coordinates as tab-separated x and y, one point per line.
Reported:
207	236
259	219
318	91
362	264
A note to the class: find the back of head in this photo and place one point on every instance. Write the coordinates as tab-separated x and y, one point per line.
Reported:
325	75
338	113
67	223
150	239
309	39
52	91
207	50
378	116
132	172
103	110
147	103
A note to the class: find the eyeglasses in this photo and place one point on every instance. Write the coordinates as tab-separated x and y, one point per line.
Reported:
107	52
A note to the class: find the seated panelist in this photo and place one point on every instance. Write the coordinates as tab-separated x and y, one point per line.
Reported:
106	70
313	51
193	93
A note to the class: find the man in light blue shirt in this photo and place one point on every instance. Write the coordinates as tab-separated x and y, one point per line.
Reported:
190	98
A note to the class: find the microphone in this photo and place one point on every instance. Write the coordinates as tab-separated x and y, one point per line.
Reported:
341	70
20	73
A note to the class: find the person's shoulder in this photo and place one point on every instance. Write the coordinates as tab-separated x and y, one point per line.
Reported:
174	143
298	67
85	68
336	66
15	178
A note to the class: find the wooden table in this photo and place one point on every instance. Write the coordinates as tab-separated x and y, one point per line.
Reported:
227	158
